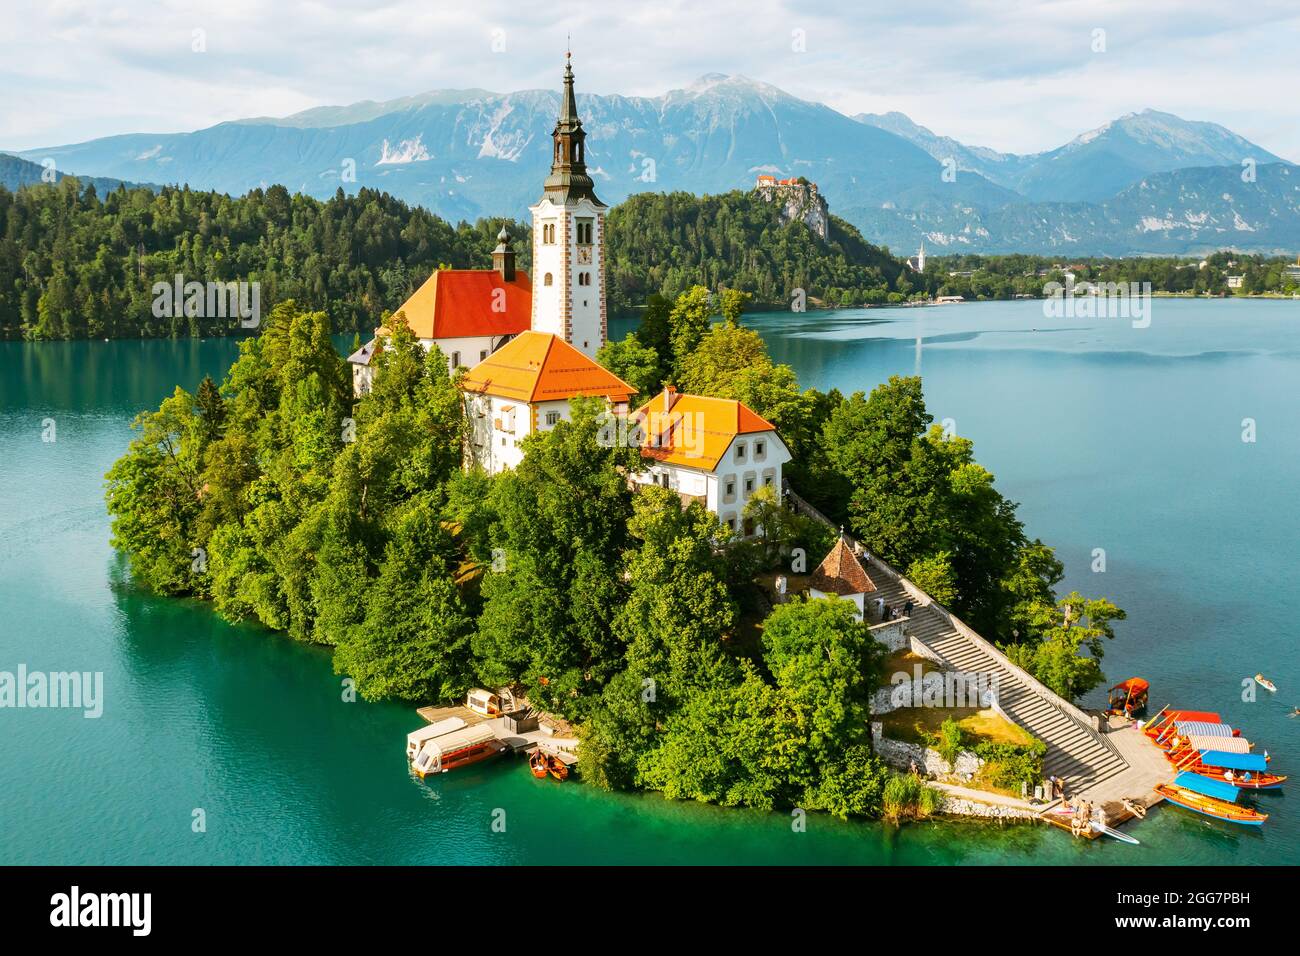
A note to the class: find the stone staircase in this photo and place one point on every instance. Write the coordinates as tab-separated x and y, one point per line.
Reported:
1076	751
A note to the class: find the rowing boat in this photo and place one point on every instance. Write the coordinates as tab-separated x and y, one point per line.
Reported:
1213	798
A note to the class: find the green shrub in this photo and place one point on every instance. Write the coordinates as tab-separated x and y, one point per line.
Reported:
907	797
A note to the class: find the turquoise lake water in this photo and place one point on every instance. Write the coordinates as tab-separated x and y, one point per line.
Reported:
1109	436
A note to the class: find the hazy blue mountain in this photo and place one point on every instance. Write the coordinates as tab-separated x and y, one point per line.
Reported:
470	153
15	172
1094	165
1189	211
1001	168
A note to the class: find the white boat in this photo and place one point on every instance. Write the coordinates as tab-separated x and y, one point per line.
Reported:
416	738
456	749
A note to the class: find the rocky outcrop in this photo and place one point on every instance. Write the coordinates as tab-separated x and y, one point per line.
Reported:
799	201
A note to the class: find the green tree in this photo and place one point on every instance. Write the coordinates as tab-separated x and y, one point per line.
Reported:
634	363
1061	632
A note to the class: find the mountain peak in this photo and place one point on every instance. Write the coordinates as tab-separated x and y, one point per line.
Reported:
735	84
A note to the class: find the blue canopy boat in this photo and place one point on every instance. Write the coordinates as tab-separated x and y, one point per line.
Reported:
1242	770
1213	798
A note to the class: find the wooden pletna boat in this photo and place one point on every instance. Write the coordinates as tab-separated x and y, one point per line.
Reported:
542	764
1163	722
1180	732
416	739
459	748
1213	798
1233	764
1128	697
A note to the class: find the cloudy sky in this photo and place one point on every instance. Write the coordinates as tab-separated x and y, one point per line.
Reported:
1015	75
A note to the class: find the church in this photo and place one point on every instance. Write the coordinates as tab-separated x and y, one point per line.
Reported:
530	346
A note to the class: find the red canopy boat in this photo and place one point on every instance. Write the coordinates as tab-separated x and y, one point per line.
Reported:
1128	697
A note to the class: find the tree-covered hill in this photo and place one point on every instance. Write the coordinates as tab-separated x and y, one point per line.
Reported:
77	263
667	242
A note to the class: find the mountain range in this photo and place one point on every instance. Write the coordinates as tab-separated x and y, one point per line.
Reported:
1145	183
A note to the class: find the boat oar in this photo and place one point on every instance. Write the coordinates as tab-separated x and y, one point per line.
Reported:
1152	722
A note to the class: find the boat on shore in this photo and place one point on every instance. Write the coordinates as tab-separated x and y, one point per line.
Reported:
1211	798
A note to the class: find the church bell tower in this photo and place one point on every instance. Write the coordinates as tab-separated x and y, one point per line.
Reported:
569	238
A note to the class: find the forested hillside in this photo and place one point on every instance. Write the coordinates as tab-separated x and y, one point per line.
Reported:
668	242
75	264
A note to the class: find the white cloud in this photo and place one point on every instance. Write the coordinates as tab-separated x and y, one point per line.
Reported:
1011	74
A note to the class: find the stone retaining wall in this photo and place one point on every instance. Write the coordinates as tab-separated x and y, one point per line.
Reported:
958	806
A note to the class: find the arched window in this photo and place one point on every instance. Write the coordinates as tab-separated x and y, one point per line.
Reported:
546	280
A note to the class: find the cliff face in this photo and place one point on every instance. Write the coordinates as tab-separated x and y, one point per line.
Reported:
799	201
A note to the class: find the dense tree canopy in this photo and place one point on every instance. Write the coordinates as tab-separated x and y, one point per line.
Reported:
668	242
75	265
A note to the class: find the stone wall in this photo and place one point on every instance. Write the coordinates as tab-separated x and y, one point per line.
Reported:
900	754
957	806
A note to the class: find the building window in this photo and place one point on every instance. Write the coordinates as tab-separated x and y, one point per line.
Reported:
767	481
760	448
455	360
546	279
548	233
552	418
586	228
482	355
749	485
503	442
729	489
740	451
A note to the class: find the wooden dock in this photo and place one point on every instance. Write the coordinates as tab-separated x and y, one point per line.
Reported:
548	735
1147	767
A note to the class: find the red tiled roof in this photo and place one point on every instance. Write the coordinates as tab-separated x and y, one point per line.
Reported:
541	367
465	303
707	427
841	573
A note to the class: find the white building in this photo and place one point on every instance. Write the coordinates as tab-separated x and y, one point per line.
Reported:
467	313
713	450
841	574
569	239
524	387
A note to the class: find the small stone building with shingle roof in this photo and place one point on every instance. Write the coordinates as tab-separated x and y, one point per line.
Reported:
842	574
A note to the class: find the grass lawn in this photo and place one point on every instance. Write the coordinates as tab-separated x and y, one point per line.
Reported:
905	661
911	724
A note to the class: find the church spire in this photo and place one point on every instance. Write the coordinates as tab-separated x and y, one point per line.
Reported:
569	179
